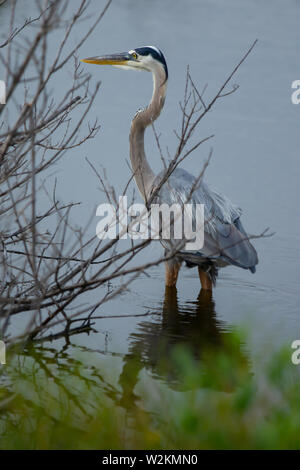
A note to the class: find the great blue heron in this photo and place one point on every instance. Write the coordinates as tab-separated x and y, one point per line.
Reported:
225	240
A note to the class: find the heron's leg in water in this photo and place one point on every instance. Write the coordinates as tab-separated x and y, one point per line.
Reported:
172	270
204	279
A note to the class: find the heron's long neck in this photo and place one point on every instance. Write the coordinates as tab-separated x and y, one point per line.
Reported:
143	174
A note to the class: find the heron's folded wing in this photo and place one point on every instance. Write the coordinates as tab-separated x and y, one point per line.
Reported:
234	245
224	235
227	244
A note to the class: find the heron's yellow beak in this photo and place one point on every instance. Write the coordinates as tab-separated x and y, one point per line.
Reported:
113	59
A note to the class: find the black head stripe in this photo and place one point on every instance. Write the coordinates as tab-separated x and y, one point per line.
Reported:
155	53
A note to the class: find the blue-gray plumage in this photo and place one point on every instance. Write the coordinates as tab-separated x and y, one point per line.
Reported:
225	240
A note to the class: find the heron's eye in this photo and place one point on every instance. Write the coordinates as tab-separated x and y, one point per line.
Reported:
134	55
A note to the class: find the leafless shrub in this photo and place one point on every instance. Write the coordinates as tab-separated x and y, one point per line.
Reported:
43	274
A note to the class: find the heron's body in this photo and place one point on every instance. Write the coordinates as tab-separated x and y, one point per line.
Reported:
225	240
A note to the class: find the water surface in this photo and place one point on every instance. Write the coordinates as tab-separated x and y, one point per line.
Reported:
255	162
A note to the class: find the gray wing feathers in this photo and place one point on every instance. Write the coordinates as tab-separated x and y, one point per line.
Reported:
235	246
225	238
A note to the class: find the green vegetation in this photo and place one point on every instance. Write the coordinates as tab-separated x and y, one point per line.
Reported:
51	400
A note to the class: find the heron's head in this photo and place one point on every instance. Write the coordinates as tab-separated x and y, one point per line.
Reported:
143	58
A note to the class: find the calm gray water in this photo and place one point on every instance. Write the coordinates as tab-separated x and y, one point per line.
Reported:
255	162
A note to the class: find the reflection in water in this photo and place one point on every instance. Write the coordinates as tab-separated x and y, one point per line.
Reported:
69	374
193	325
